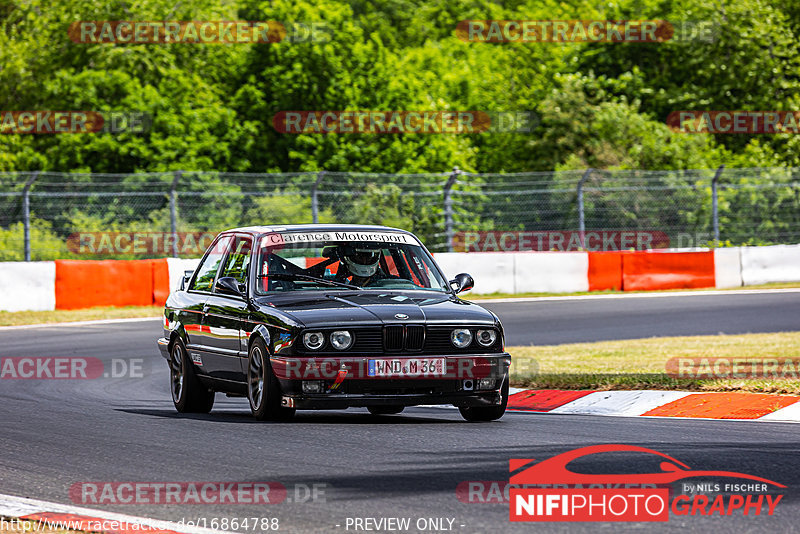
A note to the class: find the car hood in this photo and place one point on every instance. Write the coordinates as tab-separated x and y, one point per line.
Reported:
369	308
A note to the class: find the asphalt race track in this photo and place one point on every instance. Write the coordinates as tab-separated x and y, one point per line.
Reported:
56	433
623	317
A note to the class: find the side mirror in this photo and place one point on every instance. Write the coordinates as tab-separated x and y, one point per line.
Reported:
229	285
462	282
187	275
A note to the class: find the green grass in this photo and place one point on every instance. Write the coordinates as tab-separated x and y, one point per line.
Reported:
89	314
468	296
641	363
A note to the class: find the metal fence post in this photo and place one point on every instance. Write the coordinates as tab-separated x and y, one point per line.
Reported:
448	207
715	204
314	199
581	219
173	211
26	214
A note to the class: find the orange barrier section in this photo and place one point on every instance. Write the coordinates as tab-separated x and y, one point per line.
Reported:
90	283
724	405
605	271
647	271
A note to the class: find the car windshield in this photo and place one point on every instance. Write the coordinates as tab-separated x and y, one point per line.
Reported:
299	261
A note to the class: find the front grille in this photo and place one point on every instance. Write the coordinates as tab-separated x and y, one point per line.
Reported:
397	338
393	338
401	339
367	340
415	337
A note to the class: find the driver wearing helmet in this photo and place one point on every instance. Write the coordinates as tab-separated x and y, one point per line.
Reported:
359	262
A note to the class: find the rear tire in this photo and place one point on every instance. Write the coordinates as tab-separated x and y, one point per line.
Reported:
385	410
188	394
263	389
476	414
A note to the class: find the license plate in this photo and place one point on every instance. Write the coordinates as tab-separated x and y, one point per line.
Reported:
406	367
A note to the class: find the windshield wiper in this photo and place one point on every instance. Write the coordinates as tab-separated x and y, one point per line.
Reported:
297	276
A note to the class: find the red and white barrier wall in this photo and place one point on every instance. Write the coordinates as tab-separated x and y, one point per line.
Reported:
563	272
27	286
72	284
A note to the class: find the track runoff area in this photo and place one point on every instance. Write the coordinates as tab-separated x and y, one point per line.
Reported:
420	471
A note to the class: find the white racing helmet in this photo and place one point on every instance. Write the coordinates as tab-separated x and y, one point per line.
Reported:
361	261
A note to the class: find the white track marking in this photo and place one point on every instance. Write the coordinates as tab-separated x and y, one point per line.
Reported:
790	414
80	323
620	403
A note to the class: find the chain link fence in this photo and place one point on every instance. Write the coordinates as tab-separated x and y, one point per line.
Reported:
44	214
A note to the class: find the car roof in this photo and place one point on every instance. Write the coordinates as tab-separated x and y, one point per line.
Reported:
257	230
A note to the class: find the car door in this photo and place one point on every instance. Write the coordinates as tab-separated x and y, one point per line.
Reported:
200	346
225	312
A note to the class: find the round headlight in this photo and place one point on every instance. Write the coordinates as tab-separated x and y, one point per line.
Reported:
341	339
486	337
313	340
461	338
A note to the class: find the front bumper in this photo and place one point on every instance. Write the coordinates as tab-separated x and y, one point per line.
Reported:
340	401
163	346
458	388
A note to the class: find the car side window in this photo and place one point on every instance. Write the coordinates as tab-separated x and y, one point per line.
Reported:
207	271
238	259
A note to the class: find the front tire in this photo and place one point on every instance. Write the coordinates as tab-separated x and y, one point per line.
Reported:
385	410
475	414
188	394
263	389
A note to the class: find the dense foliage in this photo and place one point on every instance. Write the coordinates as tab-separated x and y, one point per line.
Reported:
598	105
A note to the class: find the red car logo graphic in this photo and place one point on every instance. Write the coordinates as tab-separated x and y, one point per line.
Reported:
554	470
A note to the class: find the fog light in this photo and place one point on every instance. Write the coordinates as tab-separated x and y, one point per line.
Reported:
468	385
313	386
485	383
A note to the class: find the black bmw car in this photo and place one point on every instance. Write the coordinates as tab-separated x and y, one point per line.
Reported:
330	317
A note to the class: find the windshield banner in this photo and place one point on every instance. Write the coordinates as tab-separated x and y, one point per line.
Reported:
289	238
